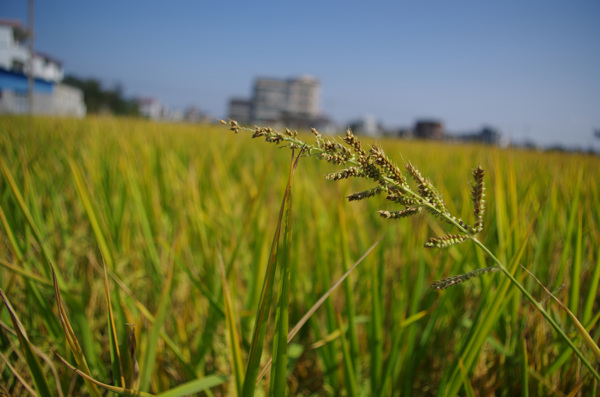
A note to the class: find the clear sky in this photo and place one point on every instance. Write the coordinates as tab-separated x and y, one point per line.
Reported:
529	68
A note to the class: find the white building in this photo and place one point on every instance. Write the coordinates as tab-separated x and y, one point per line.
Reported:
240	109
304	95
50	97
152	108
275	99
291	102
14	55
367	125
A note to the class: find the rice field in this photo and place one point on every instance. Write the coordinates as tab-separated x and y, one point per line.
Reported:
170	228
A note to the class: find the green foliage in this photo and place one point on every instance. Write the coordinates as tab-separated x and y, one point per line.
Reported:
100	100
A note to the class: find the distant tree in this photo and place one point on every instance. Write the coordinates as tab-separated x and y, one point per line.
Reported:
597	133
100	100
20	35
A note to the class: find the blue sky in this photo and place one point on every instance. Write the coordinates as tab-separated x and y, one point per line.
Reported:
528	68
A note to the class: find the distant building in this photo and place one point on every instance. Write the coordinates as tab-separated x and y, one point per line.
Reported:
14	54
298	97
367	125
194	115
320	123
269	100
406	133
429	129
487	135
240	110
291	102
490	136
175	115
49	95
151	108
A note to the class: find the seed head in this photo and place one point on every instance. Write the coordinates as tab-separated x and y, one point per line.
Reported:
370	170
352	141
477	195
396	196
234	126
450	281
400	214
347	173
446	241
366	194
389	168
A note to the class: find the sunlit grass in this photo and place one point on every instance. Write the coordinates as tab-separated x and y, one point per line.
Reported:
153	197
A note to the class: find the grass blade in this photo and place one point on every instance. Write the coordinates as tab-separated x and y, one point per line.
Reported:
376	329
37	373
568	238
16	250
18	376
232	330
348	290
465	380
25	273
592	297
25	210
159	319
152	319
92	213
349	374
320	302
525	375
483	323
72	338
576	268
262	315
589	341
282	324
118	390
115	354
194	386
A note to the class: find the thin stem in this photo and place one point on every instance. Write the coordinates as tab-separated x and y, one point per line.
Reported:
524	291
386	181
537	306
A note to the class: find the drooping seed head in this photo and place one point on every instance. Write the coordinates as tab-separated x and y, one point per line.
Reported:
389	168
366	194
343	174
400	214
446	241
396	196
450	281
234	126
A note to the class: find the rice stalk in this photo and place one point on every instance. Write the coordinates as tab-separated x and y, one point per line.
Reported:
376	166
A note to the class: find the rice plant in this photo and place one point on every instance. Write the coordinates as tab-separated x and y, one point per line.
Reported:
374	165
143	258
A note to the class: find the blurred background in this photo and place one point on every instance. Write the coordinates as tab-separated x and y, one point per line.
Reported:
512	72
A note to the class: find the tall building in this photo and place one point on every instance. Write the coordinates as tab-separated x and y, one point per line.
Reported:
275	99
49	95
293	102
240	110
269	101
